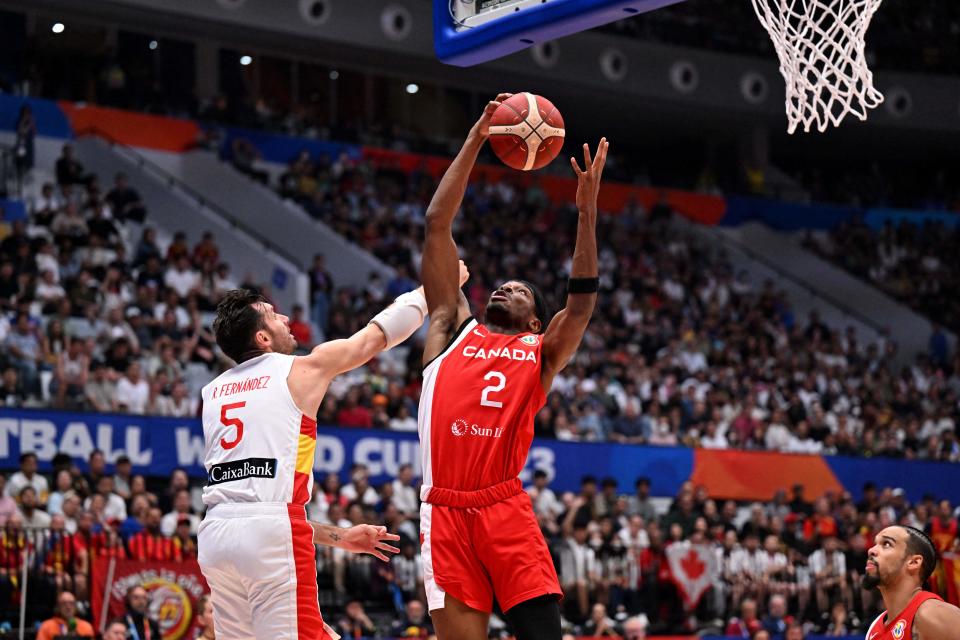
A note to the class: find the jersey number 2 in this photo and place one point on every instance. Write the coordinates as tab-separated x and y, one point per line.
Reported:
484	397
231	422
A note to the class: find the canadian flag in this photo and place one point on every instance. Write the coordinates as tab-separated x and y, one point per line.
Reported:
693	568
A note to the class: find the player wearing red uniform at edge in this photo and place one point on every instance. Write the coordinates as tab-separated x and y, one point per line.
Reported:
899	564
483	385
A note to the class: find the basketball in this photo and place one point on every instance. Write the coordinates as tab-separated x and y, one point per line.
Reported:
526	131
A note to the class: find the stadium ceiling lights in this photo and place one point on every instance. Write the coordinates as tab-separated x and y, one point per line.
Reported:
412	88
245	60
57	27
153	45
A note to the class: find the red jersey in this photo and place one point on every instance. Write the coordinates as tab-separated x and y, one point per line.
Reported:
942	534
59	552
899	627
480	396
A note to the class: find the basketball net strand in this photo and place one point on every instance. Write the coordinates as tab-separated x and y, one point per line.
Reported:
821	45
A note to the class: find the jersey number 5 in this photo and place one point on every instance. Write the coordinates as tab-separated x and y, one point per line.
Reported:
485	400
231	422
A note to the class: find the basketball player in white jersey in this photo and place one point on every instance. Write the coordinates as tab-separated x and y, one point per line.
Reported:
255	543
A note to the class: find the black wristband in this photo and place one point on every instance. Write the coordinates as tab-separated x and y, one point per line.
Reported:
583	285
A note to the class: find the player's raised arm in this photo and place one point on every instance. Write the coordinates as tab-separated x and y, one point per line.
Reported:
566	329
439	264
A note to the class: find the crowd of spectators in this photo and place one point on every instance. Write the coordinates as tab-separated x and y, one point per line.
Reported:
911	262
682	350
789	563
97	312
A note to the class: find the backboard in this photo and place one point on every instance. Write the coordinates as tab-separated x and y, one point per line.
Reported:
469	32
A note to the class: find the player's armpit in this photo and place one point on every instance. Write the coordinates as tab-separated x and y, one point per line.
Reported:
936	620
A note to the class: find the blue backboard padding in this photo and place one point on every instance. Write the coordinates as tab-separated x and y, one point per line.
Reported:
547	21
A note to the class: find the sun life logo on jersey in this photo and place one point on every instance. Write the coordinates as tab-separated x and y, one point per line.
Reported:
459	427
530	340
898	629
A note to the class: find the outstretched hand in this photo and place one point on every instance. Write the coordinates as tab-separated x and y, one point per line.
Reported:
366	538
464	273
588	180
482	126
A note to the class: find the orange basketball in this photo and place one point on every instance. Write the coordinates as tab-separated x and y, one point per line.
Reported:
526	131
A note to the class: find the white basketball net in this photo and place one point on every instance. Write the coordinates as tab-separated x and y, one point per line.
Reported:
820	44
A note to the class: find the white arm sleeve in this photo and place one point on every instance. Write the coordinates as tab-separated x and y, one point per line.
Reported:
401	319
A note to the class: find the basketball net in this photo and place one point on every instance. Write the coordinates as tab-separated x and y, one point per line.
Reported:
820	44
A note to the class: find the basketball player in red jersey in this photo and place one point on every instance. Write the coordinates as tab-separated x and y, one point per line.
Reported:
899	564
483	385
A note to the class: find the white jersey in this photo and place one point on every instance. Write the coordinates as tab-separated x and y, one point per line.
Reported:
258	445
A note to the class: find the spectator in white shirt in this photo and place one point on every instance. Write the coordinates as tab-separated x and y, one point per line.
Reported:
63	484
114	507
46	260
182	278
117	327
181	509
359	487
46	205
405	497
713	437
28	477
828	566
578	566
132	392
746	568
802	442
178	404
545	502
403	421
33	516
634	536
778	436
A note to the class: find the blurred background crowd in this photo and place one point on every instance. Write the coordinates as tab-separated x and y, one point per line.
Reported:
787	563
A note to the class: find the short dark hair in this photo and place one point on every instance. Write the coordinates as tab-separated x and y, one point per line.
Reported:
539	304
539	473
119	621
643	480
919	544
237	322
26	456
588	480
609	482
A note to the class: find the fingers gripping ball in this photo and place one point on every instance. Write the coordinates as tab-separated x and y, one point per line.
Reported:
526	131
